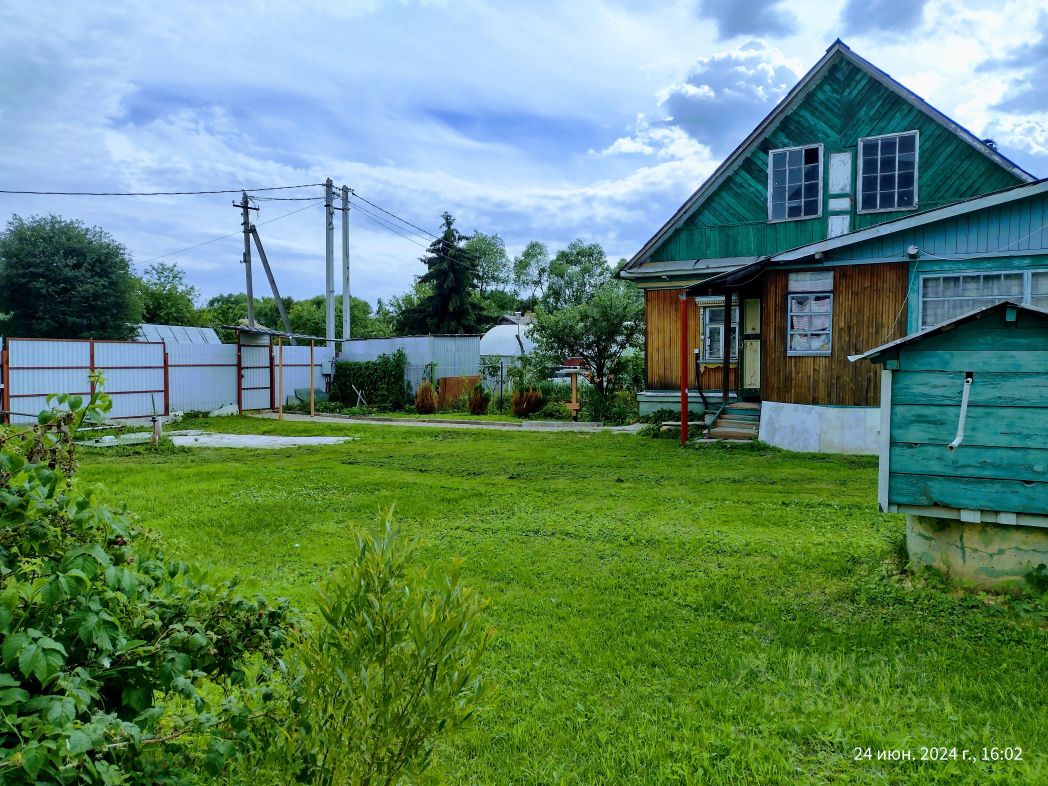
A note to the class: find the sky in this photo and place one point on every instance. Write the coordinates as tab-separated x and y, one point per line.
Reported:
537	120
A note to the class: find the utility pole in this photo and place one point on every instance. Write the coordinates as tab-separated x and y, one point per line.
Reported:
345	270
245	209
329	295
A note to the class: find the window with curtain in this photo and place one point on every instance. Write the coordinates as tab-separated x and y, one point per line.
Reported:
809	313
951	295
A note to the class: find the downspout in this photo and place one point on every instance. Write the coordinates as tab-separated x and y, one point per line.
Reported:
964	412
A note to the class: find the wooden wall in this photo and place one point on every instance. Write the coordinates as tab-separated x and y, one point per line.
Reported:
662	346
868	310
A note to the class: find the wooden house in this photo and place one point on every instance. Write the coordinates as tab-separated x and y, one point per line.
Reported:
964	442
853	214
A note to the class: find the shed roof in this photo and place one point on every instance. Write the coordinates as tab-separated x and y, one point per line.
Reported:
875	355
503	340
178	334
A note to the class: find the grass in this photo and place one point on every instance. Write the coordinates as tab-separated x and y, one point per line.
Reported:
723	615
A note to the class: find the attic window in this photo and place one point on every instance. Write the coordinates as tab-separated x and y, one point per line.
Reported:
888	172
795	183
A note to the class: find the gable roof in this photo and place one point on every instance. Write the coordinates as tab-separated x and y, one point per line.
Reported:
787	105
874	355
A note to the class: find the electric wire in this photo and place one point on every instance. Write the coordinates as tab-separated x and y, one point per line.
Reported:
155	193
224	237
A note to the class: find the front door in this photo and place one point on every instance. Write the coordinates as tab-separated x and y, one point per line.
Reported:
751	349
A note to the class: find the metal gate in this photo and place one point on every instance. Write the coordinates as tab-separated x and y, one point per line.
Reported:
255	366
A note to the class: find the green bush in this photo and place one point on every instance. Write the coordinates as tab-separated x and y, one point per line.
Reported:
479	400
392	664
554	410
425	398
615	409
555	391
381	381
118	664
664	415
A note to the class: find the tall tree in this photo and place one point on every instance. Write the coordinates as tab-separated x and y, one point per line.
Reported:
530	271
574	273
62	279
450	306
165	296
491	266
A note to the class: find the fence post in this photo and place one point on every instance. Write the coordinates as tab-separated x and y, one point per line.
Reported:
240	378
167	387
91	362
5	380
272	375
312	384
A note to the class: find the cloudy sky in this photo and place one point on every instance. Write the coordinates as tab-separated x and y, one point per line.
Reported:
537	120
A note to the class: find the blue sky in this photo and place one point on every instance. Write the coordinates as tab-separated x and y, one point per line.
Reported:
540	120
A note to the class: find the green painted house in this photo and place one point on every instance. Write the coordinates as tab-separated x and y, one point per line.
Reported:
854	214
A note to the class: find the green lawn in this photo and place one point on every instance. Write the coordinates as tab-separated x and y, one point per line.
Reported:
708	616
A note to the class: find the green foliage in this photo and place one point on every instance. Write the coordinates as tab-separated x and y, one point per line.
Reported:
393	664
479	400
381	381
530	272
554	410
491	266
165	297
574	274
61	279
425	398
666	415
109	648
450	306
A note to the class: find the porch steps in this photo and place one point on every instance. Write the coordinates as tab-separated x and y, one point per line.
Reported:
737	422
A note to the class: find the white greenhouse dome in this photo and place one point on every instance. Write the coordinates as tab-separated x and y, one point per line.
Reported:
502	340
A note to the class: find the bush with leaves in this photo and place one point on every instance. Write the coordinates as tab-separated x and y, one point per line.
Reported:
118	664
526	402
380	381
392	663
479	400
425	398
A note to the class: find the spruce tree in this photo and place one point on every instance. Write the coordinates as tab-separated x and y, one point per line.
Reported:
450	307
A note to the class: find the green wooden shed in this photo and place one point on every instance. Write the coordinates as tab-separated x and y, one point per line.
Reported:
964	443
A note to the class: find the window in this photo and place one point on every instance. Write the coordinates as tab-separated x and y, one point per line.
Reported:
713	333
809	313
945	297
888	172
795	183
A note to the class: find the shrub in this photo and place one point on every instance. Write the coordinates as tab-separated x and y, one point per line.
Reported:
118	664
526	402
660	416
556	391
555	410
392	663
479	400
425	398
380	381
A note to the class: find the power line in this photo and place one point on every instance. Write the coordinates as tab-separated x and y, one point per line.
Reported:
393	228
231	234
394	215
154	193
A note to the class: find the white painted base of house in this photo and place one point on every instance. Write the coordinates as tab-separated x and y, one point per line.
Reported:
815	429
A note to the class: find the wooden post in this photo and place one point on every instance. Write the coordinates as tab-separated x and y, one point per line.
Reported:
91	362
280	378
312	396
240	378
726	350
683	369
5	378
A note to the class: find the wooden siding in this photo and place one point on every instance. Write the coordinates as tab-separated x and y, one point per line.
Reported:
662	345
844	106
868	310
1001	464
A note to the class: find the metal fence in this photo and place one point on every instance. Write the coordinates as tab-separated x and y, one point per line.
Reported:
447	356
146	378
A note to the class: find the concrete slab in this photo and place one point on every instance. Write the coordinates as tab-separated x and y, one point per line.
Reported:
203	439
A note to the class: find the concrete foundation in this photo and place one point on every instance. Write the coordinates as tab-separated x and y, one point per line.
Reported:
649	401
989	556
817	429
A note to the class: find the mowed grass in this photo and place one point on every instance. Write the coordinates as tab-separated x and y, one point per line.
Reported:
663	616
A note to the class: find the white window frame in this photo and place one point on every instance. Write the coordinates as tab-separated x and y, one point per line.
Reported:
1027	294
707	323
916	172
822	174
790	294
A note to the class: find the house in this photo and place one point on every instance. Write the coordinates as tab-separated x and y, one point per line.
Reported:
854	214
964	442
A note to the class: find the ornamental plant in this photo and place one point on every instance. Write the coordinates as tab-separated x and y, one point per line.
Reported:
479	400
118	665
526	402
425	398
392	663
